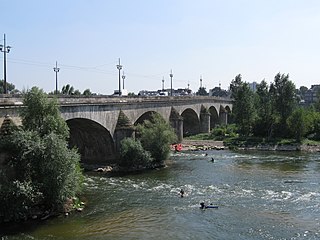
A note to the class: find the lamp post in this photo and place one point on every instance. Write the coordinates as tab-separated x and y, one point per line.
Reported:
162	83
5	49
200	81
56	70
123	77
119	67
171	76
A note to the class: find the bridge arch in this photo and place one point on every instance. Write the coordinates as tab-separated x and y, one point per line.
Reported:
93	141
191	123
145	116
214	117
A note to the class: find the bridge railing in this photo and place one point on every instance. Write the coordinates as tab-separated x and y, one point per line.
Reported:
17	100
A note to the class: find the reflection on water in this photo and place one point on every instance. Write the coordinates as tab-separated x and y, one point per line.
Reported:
260	196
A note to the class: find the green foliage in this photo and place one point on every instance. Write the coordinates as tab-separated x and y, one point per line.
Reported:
10	87
202	92
39	168
76	92
87	92
300	123
317	103
263	105
224	131
42	115
58	171
284	101
17	199
132	154
243	105
67	90
156	136
315	132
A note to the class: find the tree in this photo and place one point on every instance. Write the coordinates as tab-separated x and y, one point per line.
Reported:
76	92
42	115
243	105
317	103
284	100
41	171
156	136
300	123
67	90
10	87
263	105
202	92
87	92
132	154
235	85
302	91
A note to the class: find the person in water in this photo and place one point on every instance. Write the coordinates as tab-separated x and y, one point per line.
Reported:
181	192
203	206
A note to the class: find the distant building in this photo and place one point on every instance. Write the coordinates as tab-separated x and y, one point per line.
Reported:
253	86
166	92
311	95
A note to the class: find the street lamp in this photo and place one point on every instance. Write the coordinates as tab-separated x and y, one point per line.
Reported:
171	76
162	83
119	67
123	77
5	49
56	70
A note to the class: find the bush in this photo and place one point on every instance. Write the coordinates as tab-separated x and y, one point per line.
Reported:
132	154
223	131
17	200
58	171
38	169
156	136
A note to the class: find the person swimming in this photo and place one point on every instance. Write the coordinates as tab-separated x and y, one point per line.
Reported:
181	193
203	206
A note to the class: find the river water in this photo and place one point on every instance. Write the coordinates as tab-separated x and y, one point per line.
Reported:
260	195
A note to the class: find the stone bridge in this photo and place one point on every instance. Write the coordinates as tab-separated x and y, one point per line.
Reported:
98	124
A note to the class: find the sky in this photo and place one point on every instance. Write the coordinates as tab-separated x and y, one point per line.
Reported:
210	39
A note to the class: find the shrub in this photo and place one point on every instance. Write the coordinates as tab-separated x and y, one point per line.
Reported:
156	136
223	131
132	154
38	169
17	199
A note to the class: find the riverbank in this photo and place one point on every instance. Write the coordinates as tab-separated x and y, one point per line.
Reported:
197	145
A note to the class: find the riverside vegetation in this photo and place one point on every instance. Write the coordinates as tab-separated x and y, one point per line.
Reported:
269	117
39	173
151	146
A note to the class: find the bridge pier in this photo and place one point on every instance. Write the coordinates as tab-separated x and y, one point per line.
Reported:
122	133
205	122
223	118
124	129
176	122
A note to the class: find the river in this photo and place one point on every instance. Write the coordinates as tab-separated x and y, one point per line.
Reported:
260	195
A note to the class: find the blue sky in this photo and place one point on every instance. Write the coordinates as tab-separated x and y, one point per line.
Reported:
216	39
